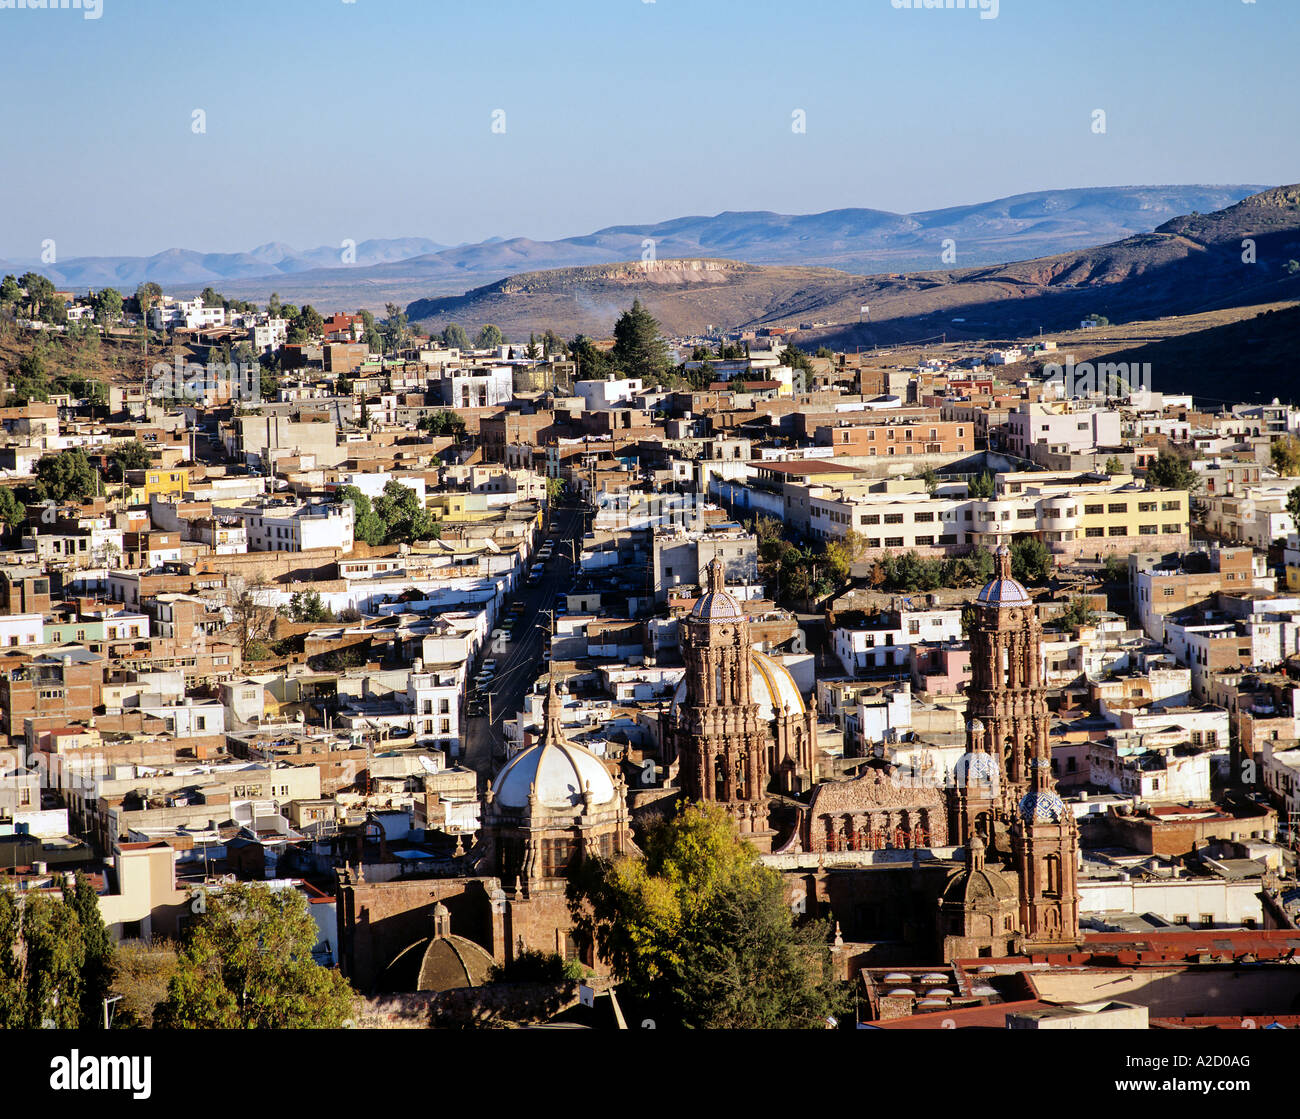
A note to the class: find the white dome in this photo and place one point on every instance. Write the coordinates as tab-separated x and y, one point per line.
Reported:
770	685
560	772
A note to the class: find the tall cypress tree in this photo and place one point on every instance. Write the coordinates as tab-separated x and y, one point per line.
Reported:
638	348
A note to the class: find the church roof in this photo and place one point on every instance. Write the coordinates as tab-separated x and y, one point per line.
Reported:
1003	590
1042	806
770	686
452	961
556	771
716	605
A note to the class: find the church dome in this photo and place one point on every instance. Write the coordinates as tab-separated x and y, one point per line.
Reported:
1003	591
969	887
770	686
1041	806
560	772
717	606
977	768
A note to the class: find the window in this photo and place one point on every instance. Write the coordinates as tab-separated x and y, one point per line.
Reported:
871	519
1168	592
1116	530
1024	514
1093	532
1176	529
893	541
1148	530
924	541
1207	918
1146	506
920	517
893	518
873	541
1092	510
1117	507
1168	505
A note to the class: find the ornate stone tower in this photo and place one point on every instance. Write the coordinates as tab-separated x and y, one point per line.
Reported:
1007	696
1046	841
977	796
722	742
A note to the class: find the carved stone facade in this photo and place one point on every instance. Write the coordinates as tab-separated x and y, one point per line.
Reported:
873	813
726	741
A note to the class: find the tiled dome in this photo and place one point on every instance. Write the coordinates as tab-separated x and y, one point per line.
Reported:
1042	807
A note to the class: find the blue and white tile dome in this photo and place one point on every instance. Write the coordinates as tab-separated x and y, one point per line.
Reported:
1042	807
977	768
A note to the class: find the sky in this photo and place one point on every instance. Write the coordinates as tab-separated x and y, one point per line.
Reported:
325	120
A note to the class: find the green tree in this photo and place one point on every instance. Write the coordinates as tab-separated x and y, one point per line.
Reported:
1031	560
212	298
132	455
55	960
247	964
554	490
40	294
1171	471
366	524
454	337
701	931
66	476
1077	614
395	330
982	485
553	345
12	511
1114	466
443	422
593	362
639	350
1115	569
97	969
108	306
146	295
403	517
307	606
31	382
10	293
13	996
489	338
1285	455
1293	506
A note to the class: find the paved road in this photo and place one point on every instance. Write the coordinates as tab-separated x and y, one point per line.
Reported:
519	661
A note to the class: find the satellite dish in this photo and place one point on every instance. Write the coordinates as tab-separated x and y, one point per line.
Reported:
427	763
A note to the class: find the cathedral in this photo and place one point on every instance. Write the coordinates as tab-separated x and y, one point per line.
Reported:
739	729
739	734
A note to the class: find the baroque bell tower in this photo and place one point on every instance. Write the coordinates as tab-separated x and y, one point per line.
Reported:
1008	699
720	739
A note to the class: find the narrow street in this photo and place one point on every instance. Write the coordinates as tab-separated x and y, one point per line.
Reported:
519	661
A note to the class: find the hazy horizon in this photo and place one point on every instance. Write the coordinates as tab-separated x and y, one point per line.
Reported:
332	121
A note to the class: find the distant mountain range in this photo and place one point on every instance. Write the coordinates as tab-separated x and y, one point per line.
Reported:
1190	263
860	241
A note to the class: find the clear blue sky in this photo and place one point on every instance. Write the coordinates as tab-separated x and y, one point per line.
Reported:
328	120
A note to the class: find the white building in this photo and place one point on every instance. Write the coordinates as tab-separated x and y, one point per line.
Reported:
288	526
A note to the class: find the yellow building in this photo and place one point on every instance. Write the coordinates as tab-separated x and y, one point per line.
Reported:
460	507
1133	513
